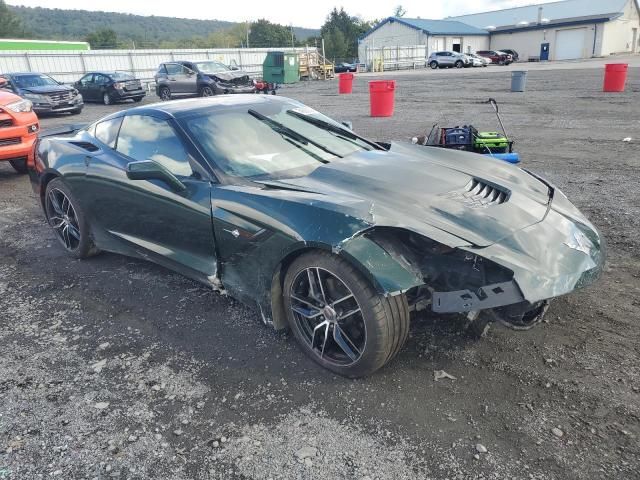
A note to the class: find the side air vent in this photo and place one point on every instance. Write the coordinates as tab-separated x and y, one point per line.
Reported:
89	147
480	194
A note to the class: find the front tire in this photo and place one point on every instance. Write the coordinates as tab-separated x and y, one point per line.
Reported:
67	220
338	318
164	93
207	91
433	65
106	99
19	165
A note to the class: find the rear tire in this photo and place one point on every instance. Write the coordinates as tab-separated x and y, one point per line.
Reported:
375	326
459	64
433	65
63	210
19	165
106	99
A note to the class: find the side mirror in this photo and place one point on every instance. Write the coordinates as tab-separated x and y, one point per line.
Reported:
234	67
348	124
150	170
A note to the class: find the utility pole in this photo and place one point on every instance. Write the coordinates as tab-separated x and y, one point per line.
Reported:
292	40
248	31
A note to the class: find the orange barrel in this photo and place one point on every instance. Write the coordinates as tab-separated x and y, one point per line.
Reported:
382	97
615	77
345	82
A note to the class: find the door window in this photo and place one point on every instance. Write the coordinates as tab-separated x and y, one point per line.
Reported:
101	79
173	68
87	80
148	138
107	131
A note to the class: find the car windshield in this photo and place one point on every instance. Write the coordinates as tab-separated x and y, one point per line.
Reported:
123	76
270	141
35	80
211	67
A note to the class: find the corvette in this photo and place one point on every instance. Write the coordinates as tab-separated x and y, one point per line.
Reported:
323	231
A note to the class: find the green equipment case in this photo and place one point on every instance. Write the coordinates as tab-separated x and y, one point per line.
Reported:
485	142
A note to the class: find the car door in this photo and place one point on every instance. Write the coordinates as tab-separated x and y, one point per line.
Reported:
175	74
99	87
445	59
84	86
149	218
188	80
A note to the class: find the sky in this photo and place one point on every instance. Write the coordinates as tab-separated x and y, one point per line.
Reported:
300	13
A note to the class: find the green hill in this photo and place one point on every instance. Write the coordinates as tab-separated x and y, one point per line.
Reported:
146	32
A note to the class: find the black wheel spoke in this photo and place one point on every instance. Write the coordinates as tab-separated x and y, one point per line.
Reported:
73	231
55	203
56	222
345	343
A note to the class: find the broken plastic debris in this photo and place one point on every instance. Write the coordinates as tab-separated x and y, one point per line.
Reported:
628	139
440	374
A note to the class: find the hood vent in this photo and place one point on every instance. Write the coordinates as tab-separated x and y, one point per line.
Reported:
90	147
479	194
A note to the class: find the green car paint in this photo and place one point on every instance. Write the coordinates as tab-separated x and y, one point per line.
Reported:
456	230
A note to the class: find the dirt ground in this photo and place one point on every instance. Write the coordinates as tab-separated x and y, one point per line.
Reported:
117	368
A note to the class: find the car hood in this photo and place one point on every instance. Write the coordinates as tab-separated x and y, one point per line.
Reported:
475	198
47	89
230	76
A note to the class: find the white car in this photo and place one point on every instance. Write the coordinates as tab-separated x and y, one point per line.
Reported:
479	61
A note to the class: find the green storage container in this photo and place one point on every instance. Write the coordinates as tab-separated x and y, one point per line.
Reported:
491	141
280	67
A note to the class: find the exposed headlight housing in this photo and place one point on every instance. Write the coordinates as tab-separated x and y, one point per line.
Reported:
36	97
20	106
118	85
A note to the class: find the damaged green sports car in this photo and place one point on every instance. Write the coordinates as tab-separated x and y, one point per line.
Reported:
333	235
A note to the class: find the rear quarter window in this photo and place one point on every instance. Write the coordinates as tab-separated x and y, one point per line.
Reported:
107	131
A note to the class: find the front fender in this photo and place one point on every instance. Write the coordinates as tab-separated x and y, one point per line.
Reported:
389	275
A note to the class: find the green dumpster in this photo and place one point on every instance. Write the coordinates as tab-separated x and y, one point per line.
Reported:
280	67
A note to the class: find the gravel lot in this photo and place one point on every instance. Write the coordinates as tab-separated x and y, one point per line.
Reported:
117	368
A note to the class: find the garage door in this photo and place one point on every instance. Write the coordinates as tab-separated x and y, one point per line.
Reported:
570	43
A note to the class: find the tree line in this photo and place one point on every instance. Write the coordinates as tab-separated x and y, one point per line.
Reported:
340	30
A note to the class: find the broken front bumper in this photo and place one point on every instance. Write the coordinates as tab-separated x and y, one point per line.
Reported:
554	257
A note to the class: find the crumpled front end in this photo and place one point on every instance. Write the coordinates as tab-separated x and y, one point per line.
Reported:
513	278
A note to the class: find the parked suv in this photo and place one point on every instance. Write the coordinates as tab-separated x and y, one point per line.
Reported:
496	56
204	78
110	87
449	59
514	55
46	94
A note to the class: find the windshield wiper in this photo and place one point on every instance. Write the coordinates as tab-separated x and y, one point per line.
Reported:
280	128
332	128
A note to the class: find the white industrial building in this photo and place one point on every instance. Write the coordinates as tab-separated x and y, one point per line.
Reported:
564	30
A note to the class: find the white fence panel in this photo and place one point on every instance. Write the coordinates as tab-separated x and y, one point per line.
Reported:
69	66
394	58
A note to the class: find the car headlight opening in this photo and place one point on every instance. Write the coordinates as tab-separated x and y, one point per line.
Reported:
21	106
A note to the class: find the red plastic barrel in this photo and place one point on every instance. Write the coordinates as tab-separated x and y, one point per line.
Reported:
615	77
345	83
382	97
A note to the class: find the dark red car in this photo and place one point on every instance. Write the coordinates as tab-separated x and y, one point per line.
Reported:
496	56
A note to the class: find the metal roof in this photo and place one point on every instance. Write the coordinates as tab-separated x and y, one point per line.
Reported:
432	27
554	12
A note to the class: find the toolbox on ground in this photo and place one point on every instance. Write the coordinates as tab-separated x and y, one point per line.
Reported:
487	142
